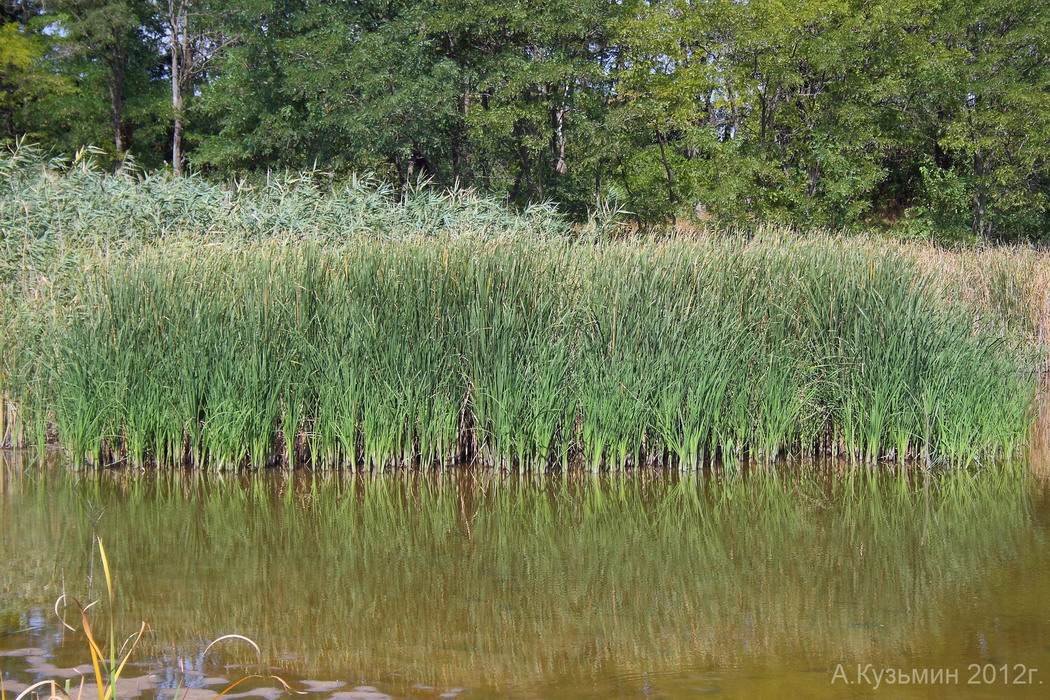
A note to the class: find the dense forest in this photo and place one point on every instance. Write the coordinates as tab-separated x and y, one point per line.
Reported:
929	117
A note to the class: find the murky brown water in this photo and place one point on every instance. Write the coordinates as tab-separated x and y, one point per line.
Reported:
767	584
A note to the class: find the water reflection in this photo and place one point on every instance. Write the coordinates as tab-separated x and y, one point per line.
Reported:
555	585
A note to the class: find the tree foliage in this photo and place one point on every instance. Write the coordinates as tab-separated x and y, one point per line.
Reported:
931	117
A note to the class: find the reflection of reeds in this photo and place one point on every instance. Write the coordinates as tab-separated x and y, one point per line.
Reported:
496	578
525	353
108	661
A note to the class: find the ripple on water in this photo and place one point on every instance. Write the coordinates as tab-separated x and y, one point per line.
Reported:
323	686
28	651
361	692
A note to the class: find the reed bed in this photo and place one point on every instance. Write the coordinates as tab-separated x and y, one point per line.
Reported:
54	210
299	320
522	353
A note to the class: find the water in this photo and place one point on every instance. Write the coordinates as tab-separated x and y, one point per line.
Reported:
475	585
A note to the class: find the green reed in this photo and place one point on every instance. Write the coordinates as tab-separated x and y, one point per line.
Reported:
523	354
53	210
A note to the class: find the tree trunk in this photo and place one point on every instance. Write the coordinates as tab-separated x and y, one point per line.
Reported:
558	122
813	175
981	226
178	31
667	169
426	166
176	106
116	94
459	137
559	141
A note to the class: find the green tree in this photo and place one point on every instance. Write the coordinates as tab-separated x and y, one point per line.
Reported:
984	98
25	81
485	93
932	116
113	42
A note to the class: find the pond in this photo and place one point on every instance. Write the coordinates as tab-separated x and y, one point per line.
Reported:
800	580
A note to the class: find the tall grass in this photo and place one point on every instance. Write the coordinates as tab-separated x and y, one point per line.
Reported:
298	320
524	354
53	210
